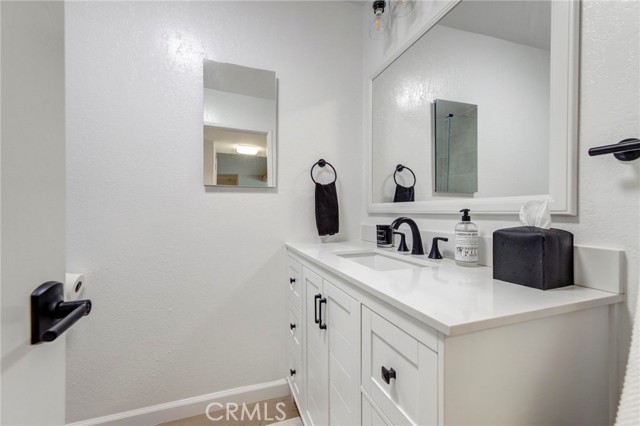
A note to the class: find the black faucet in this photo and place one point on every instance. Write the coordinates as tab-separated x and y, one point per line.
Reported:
415	233
435	252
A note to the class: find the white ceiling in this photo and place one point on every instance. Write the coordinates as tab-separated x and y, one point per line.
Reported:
519	21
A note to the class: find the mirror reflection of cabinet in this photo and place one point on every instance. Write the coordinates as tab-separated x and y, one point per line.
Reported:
240	106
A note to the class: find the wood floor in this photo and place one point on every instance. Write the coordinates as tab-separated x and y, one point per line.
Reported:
275	409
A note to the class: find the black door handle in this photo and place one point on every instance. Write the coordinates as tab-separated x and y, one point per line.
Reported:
323	326
292	280
625	150
315	307
51	315
292	371
389	374
292	326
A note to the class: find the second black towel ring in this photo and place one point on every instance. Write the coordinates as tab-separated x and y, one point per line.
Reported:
323	163
400	168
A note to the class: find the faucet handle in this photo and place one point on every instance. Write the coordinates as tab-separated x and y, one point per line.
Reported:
435	252
402	247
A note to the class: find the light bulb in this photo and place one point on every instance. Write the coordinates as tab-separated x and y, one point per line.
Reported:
378	22
379	25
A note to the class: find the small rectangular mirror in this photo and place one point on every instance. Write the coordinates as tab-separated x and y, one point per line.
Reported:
456	147
240	110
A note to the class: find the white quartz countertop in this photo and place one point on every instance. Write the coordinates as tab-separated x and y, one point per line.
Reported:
450	298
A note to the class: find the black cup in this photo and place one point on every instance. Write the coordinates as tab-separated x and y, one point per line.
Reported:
384	235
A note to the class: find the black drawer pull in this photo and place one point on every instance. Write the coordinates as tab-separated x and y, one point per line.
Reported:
292	326
292	371
292	280
389	374
323	325
315	307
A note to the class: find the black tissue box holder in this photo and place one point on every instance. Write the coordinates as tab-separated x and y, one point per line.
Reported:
533	257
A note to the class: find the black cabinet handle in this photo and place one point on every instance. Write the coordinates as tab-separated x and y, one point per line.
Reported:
323	326
389	374
292	280
315	307
292	326
292	371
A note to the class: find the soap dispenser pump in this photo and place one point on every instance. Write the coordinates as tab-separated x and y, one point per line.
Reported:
466	238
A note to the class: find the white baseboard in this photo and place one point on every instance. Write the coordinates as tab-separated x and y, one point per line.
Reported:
190	407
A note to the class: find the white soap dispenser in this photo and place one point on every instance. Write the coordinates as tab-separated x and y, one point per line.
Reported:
466	236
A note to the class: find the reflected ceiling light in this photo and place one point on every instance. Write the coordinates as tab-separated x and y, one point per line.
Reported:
400	8
378	25
247	149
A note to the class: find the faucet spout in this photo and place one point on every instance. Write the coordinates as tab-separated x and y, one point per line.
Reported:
415	233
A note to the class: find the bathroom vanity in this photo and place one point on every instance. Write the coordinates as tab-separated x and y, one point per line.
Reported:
377	338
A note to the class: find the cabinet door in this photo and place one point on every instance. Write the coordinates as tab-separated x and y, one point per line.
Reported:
317	380
343	327
399	373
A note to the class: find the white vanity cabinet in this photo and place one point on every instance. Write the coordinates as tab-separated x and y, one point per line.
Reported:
331	324
295	332
362	359
399	373
323	348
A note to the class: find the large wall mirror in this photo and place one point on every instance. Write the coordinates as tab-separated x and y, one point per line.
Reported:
482	107
240	109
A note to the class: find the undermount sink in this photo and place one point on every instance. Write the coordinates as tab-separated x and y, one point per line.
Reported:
382	261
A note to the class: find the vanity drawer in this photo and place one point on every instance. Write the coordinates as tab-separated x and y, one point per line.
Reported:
294	281
399	373
294	335
370	415
295	377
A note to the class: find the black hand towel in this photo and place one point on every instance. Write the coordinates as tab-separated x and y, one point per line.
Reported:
403	194
327	209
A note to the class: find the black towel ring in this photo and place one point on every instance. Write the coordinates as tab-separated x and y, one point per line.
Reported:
400	168
323	163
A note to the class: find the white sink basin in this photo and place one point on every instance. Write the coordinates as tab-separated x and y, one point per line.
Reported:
382	261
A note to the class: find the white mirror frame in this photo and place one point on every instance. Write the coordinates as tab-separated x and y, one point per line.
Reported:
563	150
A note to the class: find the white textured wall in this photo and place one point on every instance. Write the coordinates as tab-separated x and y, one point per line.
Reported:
232	110
461	66
187	283
609	191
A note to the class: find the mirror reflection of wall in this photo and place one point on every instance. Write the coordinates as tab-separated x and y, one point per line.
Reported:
235	158
456	147
490	53
239	125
